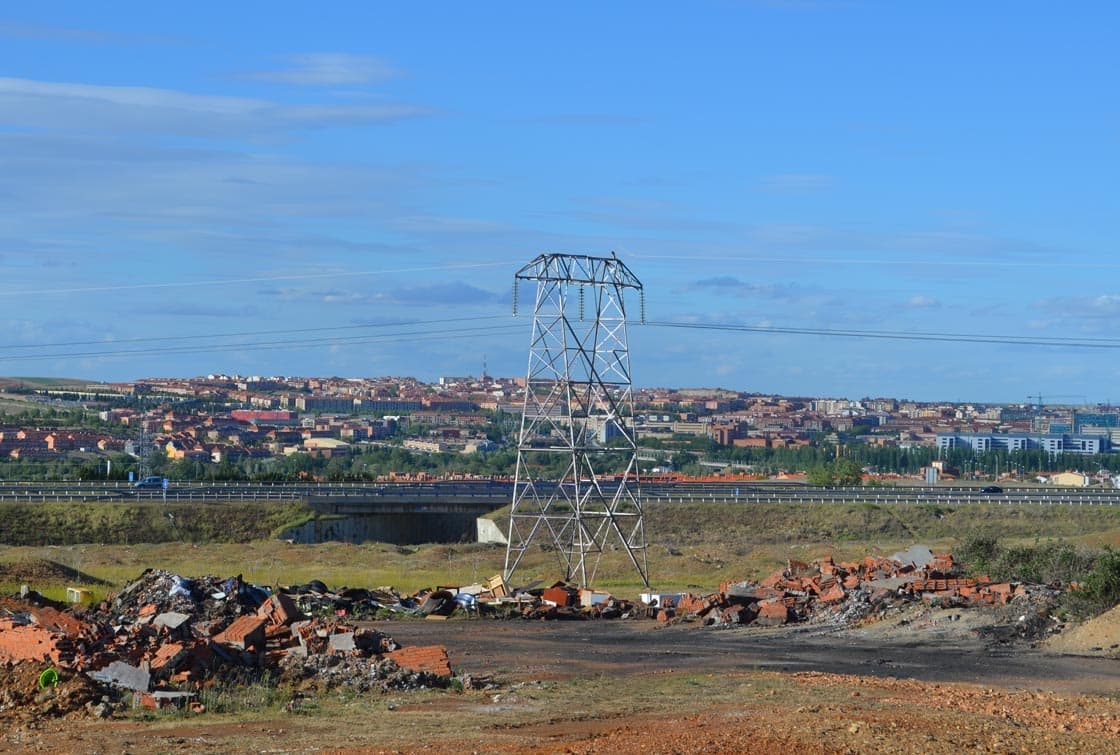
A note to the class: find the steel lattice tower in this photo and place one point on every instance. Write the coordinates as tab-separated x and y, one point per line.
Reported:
578	417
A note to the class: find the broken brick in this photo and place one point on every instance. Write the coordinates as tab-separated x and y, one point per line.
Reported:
432	658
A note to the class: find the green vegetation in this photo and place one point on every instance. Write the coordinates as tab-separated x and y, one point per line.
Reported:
692	546
839	472
688	450
147	522
1097	572
256	691
1044	562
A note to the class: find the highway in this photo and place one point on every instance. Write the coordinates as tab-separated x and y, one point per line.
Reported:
496	492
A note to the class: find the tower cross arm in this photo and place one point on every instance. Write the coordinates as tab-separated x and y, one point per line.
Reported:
579	269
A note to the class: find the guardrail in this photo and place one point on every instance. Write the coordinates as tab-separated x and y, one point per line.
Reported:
90	491
1055	500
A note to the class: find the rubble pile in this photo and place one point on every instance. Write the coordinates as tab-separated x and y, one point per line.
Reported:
564	601
72	696
316	599
163	637
845	593
492	598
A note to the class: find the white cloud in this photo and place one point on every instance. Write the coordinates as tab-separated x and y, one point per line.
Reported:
446	294
130	96
730	285
1108	305
1090	311
922	302
66	105
57	183
328	69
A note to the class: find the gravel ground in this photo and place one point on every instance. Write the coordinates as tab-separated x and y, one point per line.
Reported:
919	681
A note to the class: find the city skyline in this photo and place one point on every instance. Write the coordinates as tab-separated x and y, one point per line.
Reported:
350	190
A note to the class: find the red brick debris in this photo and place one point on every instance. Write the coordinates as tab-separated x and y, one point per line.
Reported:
163	637
848	590
432	659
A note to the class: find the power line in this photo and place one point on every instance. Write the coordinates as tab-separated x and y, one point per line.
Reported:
236	281
247	333
404	331
940	262
898	335
416	335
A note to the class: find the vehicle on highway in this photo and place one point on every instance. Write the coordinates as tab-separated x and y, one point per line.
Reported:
991	489
149	483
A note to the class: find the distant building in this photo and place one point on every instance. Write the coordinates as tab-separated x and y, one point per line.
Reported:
276	418
1061	443
425	446
330	404
1070	479
1016	414
1095	420
389	406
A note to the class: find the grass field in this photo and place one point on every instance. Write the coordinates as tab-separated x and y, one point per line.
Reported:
691	546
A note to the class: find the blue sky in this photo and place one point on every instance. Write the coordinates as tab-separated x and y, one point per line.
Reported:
281	188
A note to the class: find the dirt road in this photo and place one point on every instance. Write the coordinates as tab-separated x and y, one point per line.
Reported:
528	651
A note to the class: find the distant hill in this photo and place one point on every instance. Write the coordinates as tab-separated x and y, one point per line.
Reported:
10	383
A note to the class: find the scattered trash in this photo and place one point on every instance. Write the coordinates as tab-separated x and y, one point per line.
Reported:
164	636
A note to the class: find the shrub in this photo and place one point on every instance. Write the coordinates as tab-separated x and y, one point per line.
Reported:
1043	563
1102	585
1097	572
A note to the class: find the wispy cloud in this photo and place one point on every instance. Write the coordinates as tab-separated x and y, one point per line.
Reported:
794	182
452	225
727	298
940	246
445	294
188	309
63	105
922	302
328	69
129	96
72	35
730	285
1087	308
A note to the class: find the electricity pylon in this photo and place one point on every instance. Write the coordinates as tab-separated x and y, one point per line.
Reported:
578	419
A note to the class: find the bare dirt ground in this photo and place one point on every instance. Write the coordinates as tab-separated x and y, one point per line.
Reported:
921	681
942	650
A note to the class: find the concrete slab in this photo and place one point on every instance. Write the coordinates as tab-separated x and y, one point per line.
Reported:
121	674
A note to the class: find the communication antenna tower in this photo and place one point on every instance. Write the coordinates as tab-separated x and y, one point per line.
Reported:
578	419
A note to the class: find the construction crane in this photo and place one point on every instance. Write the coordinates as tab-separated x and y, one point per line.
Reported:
1040	397
1039	406
1037	398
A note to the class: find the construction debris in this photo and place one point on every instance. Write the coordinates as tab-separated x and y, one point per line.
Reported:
163	637
845	593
